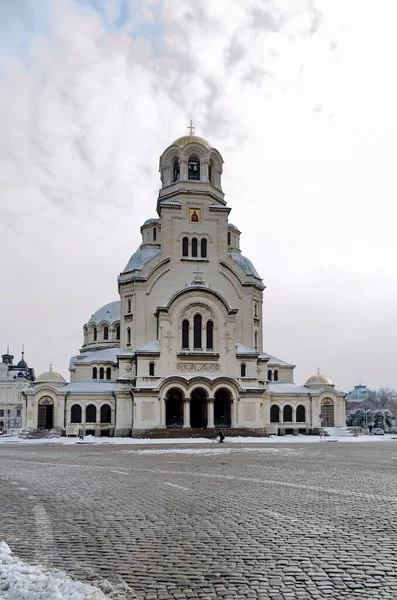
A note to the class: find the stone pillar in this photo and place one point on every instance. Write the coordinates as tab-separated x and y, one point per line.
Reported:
210	413
294	414
186	413
183	172
163	406
204	169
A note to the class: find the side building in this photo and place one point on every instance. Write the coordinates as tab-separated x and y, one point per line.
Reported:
183	345
13	380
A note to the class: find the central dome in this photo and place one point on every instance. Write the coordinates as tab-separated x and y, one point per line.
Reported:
51	376
189	139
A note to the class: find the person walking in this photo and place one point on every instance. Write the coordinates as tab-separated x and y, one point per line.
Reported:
221	436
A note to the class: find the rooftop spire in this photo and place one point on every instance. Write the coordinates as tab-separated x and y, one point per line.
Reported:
318	370
51	365
191	128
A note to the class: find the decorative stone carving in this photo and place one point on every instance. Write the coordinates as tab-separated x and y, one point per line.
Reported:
202	309
197	367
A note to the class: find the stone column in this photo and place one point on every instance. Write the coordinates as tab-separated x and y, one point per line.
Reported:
186	413
204	169
210	413
294	414
162	412
183	169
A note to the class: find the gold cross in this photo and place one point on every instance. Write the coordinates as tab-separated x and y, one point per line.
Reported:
191	128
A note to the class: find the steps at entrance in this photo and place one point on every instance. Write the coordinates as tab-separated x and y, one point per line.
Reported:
198	433
338	431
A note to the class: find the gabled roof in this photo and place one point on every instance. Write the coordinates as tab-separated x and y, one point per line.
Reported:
277	362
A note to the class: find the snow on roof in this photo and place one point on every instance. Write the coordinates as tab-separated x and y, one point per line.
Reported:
106	355
173	202
289	388
241	349
245	264
109	312
96	387
231	226
140	258
275	361
153	346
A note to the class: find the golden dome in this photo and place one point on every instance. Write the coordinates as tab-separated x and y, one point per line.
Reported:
51	376
189	139
319	380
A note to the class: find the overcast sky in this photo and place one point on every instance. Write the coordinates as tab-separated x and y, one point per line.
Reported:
300	98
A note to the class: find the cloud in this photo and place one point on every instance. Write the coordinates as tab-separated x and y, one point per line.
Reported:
291	92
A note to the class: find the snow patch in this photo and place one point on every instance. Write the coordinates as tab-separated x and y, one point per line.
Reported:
21	581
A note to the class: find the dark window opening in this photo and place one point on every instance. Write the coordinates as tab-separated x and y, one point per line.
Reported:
194	168
95	373
154	234
203	248
95	334
176	169
229	239
151	369
101	373
106	413
287	414
210	335
243	370
274	414
269	375
108	373
118	332
197	331
75	414
90	414
185	246
300	414
185	334
128	337
106	333
194	247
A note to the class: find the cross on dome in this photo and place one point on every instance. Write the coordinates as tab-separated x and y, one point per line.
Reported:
191	128
51	365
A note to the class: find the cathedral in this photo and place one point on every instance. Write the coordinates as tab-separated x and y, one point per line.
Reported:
183	345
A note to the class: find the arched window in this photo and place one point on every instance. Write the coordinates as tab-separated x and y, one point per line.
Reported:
101	373
118	332
229	239
128	337
203	248
154	234
287	414
210	335
129	305
211	172
275	375
90	414
185	246
108	373
75	414
106	413
274	414
151	369
243	370
194	247
197	324
106	333
256	340
269	375
95	373
95	334
255	310
194	167
300	414
185	334
176	169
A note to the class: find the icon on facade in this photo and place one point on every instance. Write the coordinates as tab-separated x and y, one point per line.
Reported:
194	215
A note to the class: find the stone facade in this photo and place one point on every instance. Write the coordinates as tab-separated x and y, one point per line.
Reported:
13	380
183	346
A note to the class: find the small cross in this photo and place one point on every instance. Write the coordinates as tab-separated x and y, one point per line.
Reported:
197	276
191	127
227	337
51	365
168	337
318	370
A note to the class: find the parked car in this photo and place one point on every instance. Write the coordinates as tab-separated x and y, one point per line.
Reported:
378	431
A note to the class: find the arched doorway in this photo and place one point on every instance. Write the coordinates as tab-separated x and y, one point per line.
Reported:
223	408
327	410
45	413
198	409
174	408
75	414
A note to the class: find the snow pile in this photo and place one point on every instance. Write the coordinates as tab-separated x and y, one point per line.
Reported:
20	581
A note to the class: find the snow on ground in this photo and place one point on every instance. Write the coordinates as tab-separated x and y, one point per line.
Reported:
287	439
21	581
211	451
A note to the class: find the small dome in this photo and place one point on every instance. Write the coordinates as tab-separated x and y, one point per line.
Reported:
150	222
318	380
140	258
22	364
245	264
51	376
231	226
189	139
109	312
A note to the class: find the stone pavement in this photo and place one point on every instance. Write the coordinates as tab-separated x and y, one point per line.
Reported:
253	522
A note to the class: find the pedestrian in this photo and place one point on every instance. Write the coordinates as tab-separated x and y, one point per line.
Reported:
221	436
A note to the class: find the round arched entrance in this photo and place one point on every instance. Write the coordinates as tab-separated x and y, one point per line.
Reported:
198	409
223	408
327	410
45	413
174	408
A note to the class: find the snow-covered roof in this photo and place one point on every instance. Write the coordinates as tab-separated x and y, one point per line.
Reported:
241	349
231	226
140	258
96	387
109	312
289	388
106	355
245	264
273	361
173	202
150	222
153	346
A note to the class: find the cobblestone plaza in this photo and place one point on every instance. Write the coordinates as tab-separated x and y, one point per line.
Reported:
278	521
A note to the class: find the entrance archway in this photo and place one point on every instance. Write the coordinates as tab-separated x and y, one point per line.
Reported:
45	413
327	410
223	408
174	408
198	409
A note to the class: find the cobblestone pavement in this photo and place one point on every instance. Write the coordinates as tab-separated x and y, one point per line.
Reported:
278	522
